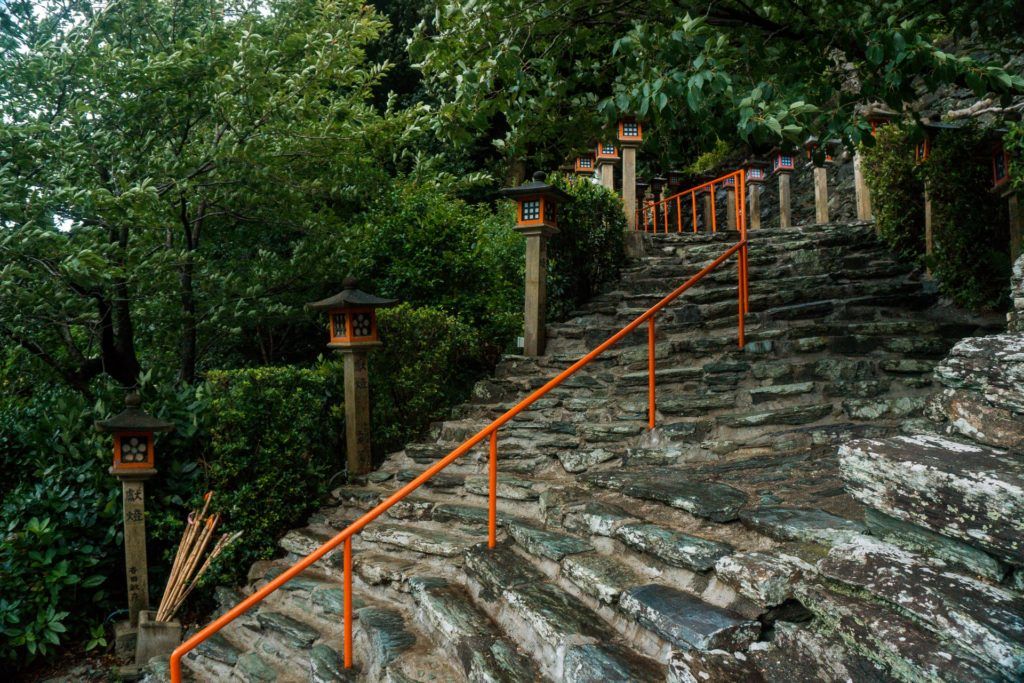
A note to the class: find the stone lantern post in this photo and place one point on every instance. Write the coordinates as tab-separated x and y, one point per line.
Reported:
133	430
707	201
783	164
537	220
820	170
607	155
756	172
877	115
352	318
631	135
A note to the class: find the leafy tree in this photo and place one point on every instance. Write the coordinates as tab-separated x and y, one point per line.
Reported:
176	164
554	74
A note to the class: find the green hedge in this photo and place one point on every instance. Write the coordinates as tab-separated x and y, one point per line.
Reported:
275	437
589	249
897	199
970	224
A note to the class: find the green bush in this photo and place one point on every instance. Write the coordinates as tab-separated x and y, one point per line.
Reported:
589	249
971	257
60	539
274	442
427	248
428	364
897	199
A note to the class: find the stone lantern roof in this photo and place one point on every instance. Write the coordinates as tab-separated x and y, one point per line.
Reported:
134	419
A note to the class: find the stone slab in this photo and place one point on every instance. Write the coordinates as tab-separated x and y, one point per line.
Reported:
767	578
673	547
686	621
545	543
710	500
964	491
801	524
600	576
983	619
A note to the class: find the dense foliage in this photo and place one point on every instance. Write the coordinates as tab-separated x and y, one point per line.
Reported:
897	199
588	250
970	223
538	77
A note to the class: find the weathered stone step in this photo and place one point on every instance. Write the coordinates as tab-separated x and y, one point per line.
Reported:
906	649
983	619
458	626
717	502
418	539
803	525
673	547
971	493
569	642
687	622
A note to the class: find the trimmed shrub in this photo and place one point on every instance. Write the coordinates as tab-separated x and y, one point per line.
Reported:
275	440
970	223
897	191
428	364
589	249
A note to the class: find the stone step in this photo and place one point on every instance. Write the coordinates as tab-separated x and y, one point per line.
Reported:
418	539
802	525
970	493
902	646
459	626
567	640
983	619
709	500
672	547
685	621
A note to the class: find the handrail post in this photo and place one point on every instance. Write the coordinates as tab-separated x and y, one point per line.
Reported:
693	208
347	564
679	213
714	212
651	405
492	502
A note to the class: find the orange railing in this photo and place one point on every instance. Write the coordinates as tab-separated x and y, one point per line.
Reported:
489	432
658	216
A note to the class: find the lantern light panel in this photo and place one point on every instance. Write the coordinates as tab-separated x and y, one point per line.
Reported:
782	162
607	151
132	451
755	173
584	164
353	325
923	150
630	131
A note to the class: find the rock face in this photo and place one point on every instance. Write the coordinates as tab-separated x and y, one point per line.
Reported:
964	491
983	397
1016	317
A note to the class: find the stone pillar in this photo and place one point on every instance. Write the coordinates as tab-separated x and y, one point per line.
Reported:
536	289
860	187
629	184
820	195
357	412
1013	204
754	206
606	172
929	235
785	213
730	206
136	566
707	205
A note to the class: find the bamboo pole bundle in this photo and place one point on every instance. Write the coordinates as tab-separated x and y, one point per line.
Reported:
183	578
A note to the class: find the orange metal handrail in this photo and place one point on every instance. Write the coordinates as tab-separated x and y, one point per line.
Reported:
654	216
491	432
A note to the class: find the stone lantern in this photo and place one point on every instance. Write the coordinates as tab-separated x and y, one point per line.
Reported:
783	165
133	430
352	323
755	171
537	220
584	165
631	135
607	155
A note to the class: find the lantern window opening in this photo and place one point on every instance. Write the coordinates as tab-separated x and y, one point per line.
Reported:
530	209
630	130
1000	166
133	449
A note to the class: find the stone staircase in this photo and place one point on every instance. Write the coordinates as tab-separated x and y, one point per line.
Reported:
721	546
